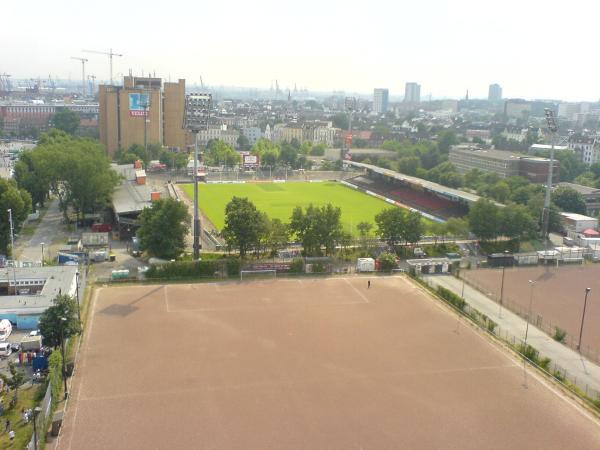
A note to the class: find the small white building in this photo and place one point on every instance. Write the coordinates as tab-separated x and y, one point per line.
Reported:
577	223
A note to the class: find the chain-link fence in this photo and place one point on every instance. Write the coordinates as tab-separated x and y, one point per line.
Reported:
536	319
532	355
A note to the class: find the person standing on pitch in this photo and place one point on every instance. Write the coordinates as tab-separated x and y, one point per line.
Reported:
369	284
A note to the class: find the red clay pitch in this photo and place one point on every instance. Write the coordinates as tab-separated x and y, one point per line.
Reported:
303	364
558	296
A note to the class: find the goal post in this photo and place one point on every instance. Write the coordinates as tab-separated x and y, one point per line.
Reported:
257	274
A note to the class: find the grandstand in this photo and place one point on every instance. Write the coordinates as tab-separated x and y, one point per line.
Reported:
402	193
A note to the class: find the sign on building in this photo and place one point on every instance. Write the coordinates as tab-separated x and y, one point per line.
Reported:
250	161
138	104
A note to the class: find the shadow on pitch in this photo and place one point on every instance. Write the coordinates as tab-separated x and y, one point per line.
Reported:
123	310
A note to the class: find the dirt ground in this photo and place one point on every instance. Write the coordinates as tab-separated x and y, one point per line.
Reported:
558	297
303	364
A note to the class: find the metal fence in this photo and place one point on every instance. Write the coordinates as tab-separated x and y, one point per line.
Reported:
42	420
536	319
552	369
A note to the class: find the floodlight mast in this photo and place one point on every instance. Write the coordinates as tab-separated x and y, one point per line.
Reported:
553	129
197	113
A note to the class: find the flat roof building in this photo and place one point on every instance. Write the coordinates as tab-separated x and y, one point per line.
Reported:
35	290
503	163
142	109
380	100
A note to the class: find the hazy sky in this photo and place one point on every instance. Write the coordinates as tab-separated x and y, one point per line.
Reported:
532	48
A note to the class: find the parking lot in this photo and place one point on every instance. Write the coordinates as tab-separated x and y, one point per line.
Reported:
15	337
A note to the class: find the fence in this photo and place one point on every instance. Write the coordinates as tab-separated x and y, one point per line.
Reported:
551	368
42	420
536	319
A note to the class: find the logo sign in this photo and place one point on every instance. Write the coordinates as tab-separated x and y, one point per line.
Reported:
138	104
250	160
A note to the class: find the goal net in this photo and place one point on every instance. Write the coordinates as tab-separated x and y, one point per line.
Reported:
267	274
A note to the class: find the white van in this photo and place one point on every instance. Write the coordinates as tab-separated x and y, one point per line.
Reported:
5	349
5	329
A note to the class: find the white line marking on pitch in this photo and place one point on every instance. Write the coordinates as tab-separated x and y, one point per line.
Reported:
166	298
357	291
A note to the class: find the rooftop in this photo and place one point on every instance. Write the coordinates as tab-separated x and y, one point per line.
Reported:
585	190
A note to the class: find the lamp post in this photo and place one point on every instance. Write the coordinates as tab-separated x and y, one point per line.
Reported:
587	291
12	249
502	285
197	111
532	284
36	412
77	293
63	323
42	244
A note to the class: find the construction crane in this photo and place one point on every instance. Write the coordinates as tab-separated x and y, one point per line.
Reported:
110	55
83	61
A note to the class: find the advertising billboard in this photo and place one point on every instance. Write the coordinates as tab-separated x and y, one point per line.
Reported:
139	104
250	161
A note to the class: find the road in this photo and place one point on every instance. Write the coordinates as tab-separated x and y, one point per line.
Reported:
579	369
50	230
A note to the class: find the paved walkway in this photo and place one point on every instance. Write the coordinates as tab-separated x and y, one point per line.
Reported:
49	231
579	369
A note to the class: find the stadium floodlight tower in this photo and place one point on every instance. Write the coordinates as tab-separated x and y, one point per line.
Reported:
197	112
553	129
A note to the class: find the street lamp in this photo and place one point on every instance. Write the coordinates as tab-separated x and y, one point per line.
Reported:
587	291
42	244
502	284
36	412
63	323
77	293
12	249
532	284
197	112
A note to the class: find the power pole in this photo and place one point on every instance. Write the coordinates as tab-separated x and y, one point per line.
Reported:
83	61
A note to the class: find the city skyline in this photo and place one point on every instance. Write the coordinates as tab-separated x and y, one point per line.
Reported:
448	48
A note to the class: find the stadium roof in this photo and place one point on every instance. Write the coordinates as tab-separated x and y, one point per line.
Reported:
448	192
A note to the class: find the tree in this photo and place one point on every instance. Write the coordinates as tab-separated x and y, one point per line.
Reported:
568	199
483	219
340	120
267	151
364	228
387	261
163	228
413	228
278	235
288	155
445	140
317	227
409	165
218	153
15	381
516	222
19	202
457	227
586	179
65	120
244	225
391	225
243	143
51	323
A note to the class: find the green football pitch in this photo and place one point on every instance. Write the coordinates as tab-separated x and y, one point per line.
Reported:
279	199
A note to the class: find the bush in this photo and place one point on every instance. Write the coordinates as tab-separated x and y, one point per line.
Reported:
559	376
387	262
528	352
184	269
319	268
544	363
559	335
297	266
451	297
233	266
55	374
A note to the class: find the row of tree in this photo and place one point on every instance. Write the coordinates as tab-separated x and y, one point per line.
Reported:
76	169
154	152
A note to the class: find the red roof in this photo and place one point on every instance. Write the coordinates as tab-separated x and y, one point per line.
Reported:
590	232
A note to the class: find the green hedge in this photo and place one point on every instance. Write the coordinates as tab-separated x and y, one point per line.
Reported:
55	375
184	269
451	297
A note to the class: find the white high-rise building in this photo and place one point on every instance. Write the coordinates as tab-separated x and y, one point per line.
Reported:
412	93
380	100
495	93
